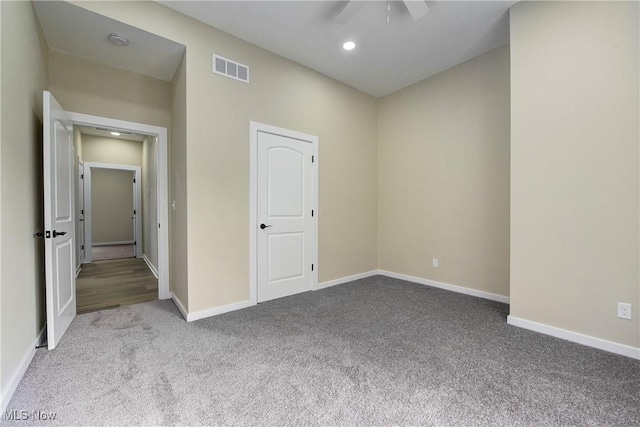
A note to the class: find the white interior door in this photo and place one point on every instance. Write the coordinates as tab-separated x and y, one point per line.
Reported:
58	219
285	241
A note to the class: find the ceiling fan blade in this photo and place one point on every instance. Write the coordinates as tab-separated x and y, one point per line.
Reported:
348	11
417	8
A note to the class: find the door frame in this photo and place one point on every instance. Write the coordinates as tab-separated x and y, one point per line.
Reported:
79	184
254	129
137	206
162	183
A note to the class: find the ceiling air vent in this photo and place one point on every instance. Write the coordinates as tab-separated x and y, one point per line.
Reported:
229	68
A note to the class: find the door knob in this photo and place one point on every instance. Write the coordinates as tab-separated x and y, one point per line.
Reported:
262	226
56	233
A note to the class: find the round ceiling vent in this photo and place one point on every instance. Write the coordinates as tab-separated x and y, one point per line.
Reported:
118	39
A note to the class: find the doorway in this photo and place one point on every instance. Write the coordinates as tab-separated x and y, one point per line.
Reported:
119	267
159	196
284	212
115	209
112	211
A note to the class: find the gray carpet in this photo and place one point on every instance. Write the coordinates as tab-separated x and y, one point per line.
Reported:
374	352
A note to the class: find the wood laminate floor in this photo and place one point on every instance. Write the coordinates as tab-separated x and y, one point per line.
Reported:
113	283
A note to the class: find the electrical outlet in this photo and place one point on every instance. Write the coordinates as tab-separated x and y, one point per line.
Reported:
624	310
435	262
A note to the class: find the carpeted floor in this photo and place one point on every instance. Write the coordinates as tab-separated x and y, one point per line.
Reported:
101	253
373	352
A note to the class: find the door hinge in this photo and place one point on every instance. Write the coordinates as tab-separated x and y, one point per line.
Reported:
82	211
134	180
311	267
311	212
134	211
313	159
135	243
83	247
82	176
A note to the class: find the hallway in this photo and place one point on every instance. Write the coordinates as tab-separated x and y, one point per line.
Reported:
114	283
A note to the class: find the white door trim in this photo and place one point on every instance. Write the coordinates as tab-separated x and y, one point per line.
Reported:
137	197
163	184
254	128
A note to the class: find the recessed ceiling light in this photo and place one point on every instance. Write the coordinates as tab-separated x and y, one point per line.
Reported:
349	45
115	133
118	39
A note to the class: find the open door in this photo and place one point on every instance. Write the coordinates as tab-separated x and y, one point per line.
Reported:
59	224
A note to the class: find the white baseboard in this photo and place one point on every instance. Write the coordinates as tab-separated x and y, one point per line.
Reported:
446	286
78	270
210	312
152	267
178	304
19	373
190	317
345	280
202	314
124	242
612	347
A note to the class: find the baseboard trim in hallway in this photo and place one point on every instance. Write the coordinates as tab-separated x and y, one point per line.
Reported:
152	267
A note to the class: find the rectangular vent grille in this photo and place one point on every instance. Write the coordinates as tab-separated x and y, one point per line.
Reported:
229	68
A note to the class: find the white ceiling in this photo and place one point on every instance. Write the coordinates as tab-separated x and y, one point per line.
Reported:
388	56
79	32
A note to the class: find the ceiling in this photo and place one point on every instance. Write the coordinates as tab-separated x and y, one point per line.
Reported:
388	56
106	133
79	32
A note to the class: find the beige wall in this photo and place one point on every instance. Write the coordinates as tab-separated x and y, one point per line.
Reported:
98	149
575	167
444	176
283	94
24	77
179	232
111	206
77	141
150	200
89	87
